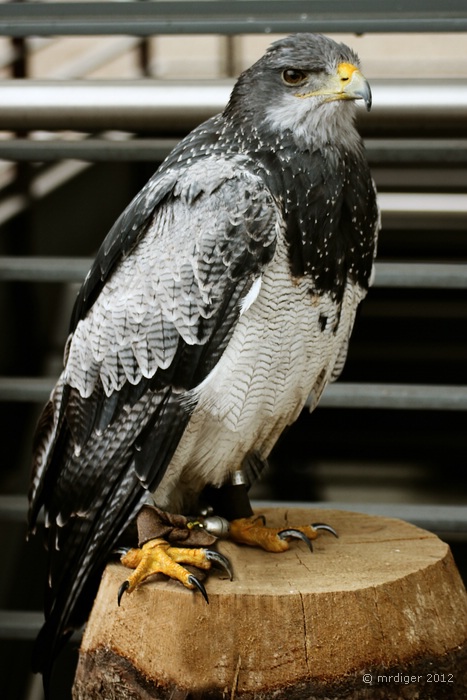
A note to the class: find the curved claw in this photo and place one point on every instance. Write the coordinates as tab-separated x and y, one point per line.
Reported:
124	587
323	526
297	534
220	560
192	579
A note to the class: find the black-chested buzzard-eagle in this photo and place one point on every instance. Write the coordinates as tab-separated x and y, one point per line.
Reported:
222	298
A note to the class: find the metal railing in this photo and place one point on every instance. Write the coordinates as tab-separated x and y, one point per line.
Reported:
406	107
226	17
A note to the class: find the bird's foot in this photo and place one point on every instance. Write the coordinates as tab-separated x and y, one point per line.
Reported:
254	532
159	557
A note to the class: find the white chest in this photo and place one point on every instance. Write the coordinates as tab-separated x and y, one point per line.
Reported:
284	345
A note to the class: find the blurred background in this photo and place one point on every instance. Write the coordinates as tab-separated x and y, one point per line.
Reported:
86	118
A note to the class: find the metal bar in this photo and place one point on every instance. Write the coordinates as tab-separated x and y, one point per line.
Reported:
339	395
428	210
25	389
387	274
95	149
401	108
125	148
20	624
420	152
24	625
395	396
105	105
13	508
36	269
225	17
446	518
421	275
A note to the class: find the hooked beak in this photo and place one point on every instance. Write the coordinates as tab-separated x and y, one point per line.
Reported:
348	83
353	84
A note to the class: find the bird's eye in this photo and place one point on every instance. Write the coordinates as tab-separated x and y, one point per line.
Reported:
293	76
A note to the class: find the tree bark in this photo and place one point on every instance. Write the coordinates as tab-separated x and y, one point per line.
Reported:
379	613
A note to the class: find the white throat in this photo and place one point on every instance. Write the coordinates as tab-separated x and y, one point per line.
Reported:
311	120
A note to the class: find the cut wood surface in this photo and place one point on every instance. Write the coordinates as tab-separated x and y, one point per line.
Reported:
383	599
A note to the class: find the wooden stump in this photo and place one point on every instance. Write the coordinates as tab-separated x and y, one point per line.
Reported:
380	612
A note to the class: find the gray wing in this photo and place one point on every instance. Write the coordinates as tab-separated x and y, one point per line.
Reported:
143	335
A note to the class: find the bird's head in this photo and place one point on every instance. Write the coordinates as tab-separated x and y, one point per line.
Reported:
306	83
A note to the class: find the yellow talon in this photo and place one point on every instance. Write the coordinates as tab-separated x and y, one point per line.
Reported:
159	557
249	531
272	539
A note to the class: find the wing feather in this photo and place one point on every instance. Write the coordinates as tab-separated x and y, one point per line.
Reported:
144	333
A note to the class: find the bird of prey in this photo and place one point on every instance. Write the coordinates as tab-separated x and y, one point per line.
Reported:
220	301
